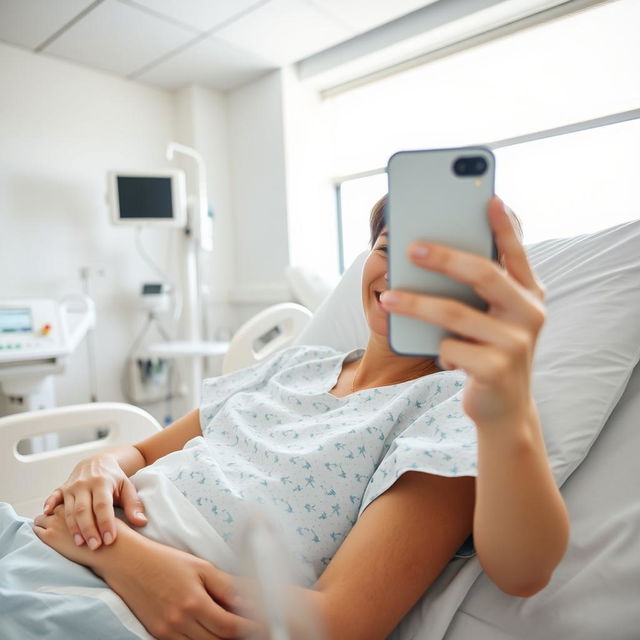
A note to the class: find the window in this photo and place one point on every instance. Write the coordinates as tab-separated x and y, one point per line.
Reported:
357	197
572	184
559	186
580	68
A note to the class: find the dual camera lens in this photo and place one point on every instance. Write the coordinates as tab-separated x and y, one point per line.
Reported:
470	166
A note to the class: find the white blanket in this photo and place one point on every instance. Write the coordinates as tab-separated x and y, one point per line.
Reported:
174	521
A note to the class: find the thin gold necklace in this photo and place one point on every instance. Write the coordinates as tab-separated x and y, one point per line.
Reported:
355	375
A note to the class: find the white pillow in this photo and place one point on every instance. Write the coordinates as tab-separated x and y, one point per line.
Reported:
309	288
588	346
339	321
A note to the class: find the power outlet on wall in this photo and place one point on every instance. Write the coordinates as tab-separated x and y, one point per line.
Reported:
87	272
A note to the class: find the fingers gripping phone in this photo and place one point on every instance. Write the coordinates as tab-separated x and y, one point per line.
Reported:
438	196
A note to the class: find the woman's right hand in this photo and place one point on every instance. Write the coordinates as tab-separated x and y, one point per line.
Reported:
172	593
89	495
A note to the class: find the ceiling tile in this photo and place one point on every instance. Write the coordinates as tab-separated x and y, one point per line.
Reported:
28	23
364	15
209	62
118	38
283	31
202	15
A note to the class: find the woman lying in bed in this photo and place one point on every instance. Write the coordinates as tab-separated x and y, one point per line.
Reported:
378	465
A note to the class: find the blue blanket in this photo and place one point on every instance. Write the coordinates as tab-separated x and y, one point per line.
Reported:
44	595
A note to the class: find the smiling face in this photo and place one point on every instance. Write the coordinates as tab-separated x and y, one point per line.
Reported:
374	282
374	275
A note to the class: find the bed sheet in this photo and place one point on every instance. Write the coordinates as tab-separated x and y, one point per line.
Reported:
44	595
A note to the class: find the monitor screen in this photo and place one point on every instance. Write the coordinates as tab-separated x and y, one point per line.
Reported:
148	198
15	321
145	197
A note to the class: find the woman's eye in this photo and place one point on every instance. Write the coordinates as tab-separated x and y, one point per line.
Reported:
382	248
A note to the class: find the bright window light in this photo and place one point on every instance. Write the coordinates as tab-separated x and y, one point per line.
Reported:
571	184
562	186
579	67
357	198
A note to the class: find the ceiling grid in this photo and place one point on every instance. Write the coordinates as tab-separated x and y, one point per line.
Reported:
217	43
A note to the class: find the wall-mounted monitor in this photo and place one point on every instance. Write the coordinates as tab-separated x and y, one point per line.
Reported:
148	198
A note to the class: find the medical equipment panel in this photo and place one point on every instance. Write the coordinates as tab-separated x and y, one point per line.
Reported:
37	336
31	329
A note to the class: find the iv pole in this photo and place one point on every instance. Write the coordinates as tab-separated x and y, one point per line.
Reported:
196	237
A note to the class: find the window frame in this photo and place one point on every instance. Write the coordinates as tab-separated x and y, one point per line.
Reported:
603	121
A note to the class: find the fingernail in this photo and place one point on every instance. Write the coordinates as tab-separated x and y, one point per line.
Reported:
139	514
107	537
93	544
45	509
78	539
389	297
419	251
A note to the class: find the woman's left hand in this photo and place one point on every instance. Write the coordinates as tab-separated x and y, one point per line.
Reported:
495	348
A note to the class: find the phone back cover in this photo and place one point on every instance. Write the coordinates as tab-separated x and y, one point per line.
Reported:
429	202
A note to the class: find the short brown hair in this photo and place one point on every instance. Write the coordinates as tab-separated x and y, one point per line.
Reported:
379	213
377	218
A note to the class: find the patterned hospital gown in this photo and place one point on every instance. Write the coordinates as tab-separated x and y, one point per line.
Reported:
272	434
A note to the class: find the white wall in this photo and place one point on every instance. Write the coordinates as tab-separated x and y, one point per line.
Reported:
259	194
284	205
62	127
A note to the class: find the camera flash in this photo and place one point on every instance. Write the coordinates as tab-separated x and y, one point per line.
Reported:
478	183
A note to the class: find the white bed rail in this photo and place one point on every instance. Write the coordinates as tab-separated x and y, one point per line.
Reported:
272	329
26	479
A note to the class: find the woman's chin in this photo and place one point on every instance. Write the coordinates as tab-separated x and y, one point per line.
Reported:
380	326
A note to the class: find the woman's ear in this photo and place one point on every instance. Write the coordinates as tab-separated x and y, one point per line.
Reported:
515	223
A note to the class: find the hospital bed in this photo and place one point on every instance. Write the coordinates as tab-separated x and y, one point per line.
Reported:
587	388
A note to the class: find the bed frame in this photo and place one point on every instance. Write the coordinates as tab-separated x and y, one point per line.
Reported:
26	479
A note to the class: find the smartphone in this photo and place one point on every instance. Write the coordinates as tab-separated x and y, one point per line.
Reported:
440	196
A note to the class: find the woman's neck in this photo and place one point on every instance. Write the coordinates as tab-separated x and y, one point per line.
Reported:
380	366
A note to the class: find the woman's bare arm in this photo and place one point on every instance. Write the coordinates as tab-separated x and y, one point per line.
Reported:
521	526
173	438
174	594
398	547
